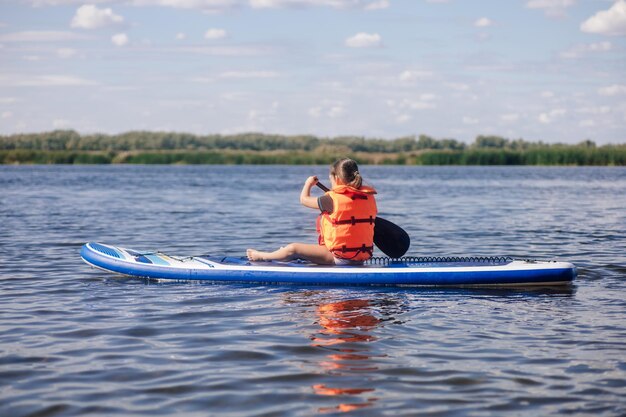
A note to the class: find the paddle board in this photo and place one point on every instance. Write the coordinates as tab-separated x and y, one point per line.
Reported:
411	271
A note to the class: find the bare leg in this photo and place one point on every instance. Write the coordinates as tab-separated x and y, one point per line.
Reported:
314	253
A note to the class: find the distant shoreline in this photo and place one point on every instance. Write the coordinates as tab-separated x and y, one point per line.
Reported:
467	158
69	147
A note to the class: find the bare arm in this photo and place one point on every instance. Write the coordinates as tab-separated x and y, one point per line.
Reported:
305	196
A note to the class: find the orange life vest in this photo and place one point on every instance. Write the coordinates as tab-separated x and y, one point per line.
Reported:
348	232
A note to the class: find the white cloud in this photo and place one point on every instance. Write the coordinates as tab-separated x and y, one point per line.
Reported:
403	118
413	75
510	117
595	110
8	100
469	120
599	47
417	105
548	4
120	39
60	123
202	80
607	22
253	115
378	5
213	6
40	36
587	123
363	40
205	5
227	50
180	36
422	102
550	116
261	4
581	49
43	81
337	4
249	74
235	96
547	94
335	111
183	103
483	22
315	112
427	97
6	115
66	52
213	34
39	3
89	16
329	108
550	7
458	86
612	90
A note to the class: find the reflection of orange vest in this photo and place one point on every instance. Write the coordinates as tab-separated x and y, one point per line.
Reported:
348	232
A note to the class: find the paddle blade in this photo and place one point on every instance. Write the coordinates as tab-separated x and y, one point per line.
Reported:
391	239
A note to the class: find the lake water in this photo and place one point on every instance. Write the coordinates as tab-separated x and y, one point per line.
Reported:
75	341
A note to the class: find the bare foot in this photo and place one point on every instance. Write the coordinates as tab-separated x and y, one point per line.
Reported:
254	255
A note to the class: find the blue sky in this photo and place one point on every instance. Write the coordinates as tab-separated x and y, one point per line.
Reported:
550	70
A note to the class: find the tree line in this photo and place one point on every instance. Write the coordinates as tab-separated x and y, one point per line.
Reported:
69	140
70	147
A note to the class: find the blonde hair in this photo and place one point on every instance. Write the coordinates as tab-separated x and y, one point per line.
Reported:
347	171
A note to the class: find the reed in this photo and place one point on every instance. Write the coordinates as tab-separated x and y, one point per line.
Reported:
69	147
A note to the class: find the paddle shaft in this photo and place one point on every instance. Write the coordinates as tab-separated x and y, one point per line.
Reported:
323	187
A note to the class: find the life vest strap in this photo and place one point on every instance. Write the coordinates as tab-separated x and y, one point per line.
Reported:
362	248
358	197
354	221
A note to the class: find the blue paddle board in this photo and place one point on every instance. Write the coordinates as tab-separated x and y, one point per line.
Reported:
418	271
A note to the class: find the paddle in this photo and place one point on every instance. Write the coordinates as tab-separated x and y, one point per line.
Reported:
391	239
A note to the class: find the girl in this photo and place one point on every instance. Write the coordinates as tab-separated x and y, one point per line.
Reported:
345	226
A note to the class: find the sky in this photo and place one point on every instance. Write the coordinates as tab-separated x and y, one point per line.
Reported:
549	70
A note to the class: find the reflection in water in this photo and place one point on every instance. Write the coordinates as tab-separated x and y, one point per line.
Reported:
345	321
346	331
347	334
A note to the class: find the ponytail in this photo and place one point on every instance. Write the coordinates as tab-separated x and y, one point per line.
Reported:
348	171
357	181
